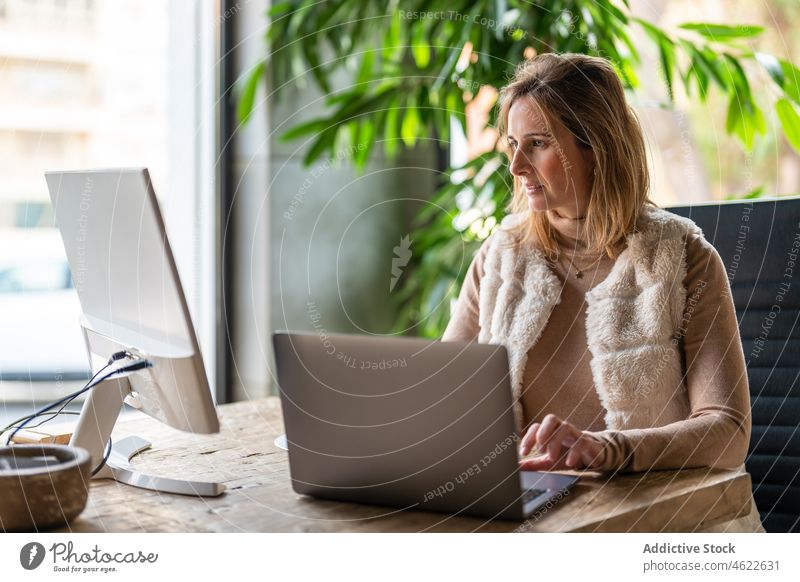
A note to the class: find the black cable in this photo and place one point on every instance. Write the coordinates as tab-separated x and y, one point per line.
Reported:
60	411
70	399
114	357
48	407
105	458
52	415
138	364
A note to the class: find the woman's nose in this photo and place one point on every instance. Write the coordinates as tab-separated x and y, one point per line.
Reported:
520	164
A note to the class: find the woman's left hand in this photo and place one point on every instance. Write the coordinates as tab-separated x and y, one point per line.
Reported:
561	446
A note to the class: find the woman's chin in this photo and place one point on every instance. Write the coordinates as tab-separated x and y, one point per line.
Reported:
537	202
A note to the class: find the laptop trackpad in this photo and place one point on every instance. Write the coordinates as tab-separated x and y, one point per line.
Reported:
552	481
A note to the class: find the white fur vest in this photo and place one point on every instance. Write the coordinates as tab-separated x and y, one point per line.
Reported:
632	319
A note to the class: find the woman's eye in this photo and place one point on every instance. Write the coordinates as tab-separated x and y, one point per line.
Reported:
534	143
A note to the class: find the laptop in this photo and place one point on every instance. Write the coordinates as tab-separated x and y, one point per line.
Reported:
406	422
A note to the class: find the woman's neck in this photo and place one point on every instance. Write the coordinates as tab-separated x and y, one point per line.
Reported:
567	214
571	231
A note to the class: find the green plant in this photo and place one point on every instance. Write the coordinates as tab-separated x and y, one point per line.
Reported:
415	65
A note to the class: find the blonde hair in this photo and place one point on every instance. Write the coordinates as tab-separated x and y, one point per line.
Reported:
586	96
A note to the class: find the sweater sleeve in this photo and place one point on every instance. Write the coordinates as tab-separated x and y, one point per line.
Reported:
464	323
717	432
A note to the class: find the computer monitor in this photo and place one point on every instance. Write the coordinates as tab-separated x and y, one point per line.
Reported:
132	300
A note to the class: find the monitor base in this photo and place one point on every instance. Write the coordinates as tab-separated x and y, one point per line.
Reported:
119	468
281	442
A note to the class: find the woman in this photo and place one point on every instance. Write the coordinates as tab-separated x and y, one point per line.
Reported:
624	350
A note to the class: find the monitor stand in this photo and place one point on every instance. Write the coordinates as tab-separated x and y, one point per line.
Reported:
96	422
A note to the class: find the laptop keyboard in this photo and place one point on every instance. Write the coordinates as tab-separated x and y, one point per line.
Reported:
531	494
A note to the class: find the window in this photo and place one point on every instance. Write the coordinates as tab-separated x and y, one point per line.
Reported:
35	277
88	84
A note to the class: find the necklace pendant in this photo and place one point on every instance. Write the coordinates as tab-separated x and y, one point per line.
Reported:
579	274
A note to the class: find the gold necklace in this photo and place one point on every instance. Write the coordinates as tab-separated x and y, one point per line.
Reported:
579	272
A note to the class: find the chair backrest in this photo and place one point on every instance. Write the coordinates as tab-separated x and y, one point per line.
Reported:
759	242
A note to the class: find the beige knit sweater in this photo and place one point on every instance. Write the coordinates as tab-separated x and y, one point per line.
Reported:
558	379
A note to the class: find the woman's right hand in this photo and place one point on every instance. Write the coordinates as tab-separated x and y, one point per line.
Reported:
560	445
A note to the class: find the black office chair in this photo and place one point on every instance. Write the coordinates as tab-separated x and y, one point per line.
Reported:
758	262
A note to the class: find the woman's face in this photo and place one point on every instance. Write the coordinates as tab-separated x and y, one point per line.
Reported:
556	173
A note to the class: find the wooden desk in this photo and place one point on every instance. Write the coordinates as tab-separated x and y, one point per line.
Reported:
260	498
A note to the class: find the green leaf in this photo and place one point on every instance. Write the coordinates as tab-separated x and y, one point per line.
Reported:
784	73
773	66
278	9
355	129
420	48
738	76
316	68
723	32
607	6
362	105
500	9
790	121
325	141
423	105
485	52
442	126
631	53
627	72
394	39
652	31
444	73
342	142
244	108
732	119
744	120
708	62
343	97
365	73
298	18
332	10
755	193
297	65
411	125
364	142
666	54
455	51
698	67
791	83
313	126
390	129
451	102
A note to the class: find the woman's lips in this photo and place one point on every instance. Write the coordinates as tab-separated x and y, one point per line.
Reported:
534	189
